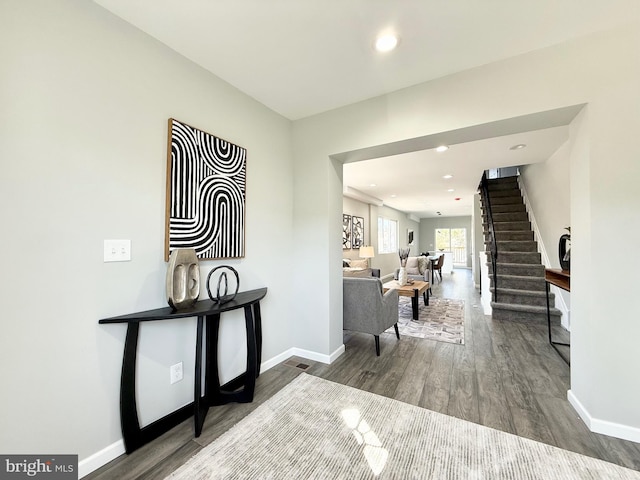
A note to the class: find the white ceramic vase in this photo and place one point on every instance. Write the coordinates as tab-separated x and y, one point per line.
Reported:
402	276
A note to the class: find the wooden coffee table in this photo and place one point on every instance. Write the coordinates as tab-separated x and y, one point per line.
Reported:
414	291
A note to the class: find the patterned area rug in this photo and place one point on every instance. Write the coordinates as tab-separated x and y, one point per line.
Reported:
318	429
441	320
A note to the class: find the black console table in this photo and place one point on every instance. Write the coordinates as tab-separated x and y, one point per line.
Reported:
239	390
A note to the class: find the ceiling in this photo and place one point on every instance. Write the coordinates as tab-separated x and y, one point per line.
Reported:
303	57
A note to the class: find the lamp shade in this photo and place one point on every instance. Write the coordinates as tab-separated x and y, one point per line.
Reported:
366	252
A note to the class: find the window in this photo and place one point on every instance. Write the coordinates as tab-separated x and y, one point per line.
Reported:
453	240
387	235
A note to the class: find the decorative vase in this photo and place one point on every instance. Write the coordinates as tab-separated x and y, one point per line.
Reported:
183	278
564	253
402	276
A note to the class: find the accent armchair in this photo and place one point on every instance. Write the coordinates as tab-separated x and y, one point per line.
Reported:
366	309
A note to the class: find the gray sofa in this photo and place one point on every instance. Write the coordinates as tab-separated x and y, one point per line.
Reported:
365	308
418	268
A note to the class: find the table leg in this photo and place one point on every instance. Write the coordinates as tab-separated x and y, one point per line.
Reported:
414	303
258	331
128	408
425	296
200	404
551	342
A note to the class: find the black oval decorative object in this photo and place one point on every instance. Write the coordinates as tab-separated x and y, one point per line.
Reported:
224	298
564	253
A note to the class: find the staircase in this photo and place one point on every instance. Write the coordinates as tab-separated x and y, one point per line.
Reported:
521	294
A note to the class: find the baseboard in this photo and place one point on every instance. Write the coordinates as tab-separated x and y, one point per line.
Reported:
319	357
603	427
101	458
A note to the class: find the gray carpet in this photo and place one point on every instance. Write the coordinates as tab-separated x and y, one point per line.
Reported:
318	429
441	320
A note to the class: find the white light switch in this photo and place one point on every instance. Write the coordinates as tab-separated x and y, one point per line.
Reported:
117	250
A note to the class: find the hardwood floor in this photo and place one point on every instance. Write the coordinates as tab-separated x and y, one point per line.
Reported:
506	376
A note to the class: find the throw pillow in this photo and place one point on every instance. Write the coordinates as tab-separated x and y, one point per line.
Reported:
359	263
423	264
412	266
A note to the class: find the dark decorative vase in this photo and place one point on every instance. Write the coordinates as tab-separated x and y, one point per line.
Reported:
564	253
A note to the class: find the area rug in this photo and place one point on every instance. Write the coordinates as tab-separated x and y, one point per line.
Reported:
318	429
441	320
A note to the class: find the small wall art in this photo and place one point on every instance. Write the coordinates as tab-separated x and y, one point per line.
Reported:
346	232
357	232
206	193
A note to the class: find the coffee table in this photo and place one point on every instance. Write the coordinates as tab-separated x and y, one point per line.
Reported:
414	291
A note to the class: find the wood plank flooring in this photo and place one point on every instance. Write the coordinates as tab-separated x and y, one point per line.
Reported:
506	376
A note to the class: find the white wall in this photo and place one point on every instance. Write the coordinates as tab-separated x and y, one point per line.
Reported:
602	70
84	104
546	186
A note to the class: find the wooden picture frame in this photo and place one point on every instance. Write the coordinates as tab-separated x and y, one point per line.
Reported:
206	194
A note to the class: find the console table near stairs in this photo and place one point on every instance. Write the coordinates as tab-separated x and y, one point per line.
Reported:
561	279
239	390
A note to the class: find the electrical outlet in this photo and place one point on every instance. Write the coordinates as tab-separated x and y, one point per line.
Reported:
175	373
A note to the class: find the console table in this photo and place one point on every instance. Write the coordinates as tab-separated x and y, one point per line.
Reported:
561	279
239	390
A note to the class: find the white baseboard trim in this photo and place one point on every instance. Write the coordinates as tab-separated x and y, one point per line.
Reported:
603	427
301	352
319	357
101	458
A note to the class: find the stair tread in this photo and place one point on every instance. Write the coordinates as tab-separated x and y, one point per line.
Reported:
528	293
525	308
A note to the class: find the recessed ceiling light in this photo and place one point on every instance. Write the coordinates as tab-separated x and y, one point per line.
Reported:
393	196
386	43
447	177
520	146
442	148
373	185
451	190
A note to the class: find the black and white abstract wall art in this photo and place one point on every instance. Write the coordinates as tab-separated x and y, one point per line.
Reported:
357	232
206	194
346	232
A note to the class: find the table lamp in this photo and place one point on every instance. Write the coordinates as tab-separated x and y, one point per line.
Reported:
366	252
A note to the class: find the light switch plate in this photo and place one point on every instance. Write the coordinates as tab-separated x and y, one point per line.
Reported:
117	250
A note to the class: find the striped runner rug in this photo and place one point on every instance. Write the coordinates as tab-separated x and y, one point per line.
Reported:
318	429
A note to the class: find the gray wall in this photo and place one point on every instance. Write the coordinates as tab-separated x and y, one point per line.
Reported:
85	102
428	228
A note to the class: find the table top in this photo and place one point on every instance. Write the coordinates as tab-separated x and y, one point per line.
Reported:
559	278
201	308
407	290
